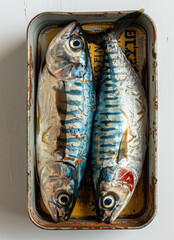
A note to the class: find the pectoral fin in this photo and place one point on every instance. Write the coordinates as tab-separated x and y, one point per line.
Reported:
123	150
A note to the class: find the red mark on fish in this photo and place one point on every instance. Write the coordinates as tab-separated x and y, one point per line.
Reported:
127	176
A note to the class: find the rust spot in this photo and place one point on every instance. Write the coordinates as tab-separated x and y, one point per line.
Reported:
156	102
154	54
30	204
154	30
155	64
156	105
118	12
153	181
105	13
70	13
30	76
92	225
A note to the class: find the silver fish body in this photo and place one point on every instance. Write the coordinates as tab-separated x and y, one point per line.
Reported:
119	133
65	106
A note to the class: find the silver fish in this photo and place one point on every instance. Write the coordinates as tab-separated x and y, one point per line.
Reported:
119	131
65	106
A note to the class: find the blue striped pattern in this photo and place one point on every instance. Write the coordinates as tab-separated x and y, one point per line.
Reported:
108	121
77	123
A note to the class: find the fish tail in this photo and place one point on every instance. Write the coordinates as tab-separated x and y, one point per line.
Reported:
124	22
121	25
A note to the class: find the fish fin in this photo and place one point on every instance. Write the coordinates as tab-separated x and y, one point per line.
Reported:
123	149
124	22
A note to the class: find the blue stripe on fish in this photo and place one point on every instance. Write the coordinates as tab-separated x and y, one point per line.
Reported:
73	120
73	112
79	84
71	155
110	91
110	144
112	106
104	158
111	121
69	102
108	152
68	140
110	85
114	113
108	137
74	92
111	98
67	130
72	150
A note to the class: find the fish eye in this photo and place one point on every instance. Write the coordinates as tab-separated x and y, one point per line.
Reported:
76	43
63	199
108	201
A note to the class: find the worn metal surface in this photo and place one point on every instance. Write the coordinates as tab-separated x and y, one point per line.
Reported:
80	221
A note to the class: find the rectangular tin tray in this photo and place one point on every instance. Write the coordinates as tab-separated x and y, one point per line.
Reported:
141	52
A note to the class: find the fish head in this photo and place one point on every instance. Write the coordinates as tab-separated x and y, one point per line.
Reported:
66	55
114	191
57	190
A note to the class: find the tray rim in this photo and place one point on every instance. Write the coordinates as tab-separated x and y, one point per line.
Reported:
150	215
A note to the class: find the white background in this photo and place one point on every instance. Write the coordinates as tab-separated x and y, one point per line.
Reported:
14	18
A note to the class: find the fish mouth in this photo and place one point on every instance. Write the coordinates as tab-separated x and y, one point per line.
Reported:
104	217
53	210
65	215
73	28
68	30
109	216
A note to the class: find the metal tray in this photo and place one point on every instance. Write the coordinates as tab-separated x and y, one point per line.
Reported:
140	48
